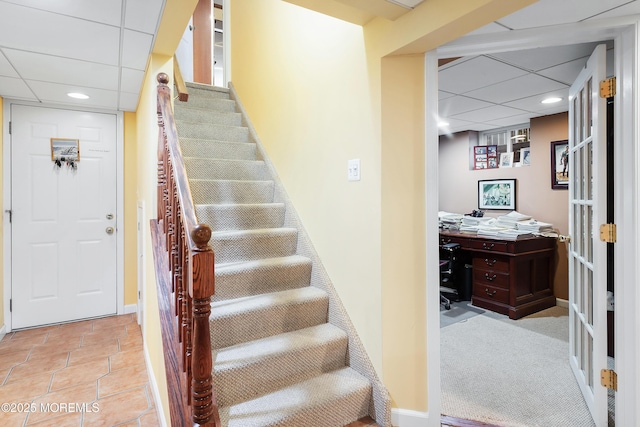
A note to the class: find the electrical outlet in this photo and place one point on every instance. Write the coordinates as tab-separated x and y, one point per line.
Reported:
353	170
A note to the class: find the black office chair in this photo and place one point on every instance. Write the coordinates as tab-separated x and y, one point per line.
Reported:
448	267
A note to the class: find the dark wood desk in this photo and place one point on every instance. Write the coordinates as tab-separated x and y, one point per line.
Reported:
509	277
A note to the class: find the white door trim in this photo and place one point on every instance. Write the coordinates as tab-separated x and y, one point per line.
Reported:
6	201
625	32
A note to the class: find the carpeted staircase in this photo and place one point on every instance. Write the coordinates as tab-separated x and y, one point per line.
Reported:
284	351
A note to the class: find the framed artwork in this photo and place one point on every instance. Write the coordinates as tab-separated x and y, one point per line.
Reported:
560	165
525	156
497	194
65	151
485	157
506	160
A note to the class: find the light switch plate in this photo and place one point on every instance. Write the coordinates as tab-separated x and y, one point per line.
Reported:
353	170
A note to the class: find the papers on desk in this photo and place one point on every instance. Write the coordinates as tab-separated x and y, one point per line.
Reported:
533	226
511	226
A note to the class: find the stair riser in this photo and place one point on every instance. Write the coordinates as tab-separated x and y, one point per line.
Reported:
236	284
253	247
220	192
216	104
267	321
224	169
213	131
197	115
284	370
218	149
241	217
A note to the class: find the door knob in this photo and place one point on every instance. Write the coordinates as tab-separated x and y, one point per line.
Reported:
109	230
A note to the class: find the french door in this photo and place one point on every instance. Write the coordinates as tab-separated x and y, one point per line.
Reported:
587	254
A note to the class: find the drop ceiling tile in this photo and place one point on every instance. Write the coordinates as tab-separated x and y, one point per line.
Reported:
128	101
512	121
488	29
631	8
541	58
520	87
136	49
476	73
6	69
36	66
107	12
534	103
131	80
488	114
444	95
28	29
15	88
143	15
553	12
455	62
459	104
57	93
566	72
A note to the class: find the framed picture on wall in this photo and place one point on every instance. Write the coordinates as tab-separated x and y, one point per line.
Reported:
560	165
497	194
485	156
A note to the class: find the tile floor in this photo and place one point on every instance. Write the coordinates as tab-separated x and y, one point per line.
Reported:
80	374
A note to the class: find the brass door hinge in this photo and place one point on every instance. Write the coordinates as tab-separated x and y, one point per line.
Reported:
608	88
609	379
608	233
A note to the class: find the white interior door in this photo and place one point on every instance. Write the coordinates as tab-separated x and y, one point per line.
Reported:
587	254
63	244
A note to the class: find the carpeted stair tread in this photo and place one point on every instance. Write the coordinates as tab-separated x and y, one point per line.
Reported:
213	131
250	318
241	216
220	191
213	149
253	170
202	115
246	245
217	104
334	399
248	370
218	149
199	90
240	279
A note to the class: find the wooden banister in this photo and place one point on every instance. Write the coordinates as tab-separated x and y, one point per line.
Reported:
181	86
185	269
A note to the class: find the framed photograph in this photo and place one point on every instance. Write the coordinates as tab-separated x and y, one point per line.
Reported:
525	156
560	165
506	160
65	150
497	194
485	156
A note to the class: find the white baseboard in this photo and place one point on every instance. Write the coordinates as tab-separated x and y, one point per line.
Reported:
3	331
410	418
562	303
130	308
153	385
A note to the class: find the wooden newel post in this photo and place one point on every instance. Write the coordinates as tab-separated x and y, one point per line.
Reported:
201	289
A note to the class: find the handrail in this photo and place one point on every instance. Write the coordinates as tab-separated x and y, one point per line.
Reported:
181	86
190	263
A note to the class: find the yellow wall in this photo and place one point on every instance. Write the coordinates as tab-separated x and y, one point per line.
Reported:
314	88
130	220
1	222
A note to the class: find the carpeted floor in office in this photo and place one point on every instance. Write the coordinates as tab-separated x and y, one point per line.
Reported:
512	373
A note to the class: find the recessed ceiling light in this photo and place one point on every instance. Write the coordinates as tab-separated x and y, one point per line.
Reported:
77	95
552	100
442	124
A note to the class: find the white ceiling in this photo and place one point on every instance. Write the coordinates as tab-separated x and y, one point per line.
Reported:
97	47
503	89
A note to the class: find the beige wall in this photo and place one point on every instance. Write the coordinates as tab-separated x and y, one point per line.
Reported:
314	88
534	196
1	222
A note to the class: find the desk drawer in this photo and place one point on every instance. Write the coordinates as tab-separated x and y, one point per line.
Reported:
488	245
491	278
491	293
491	262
